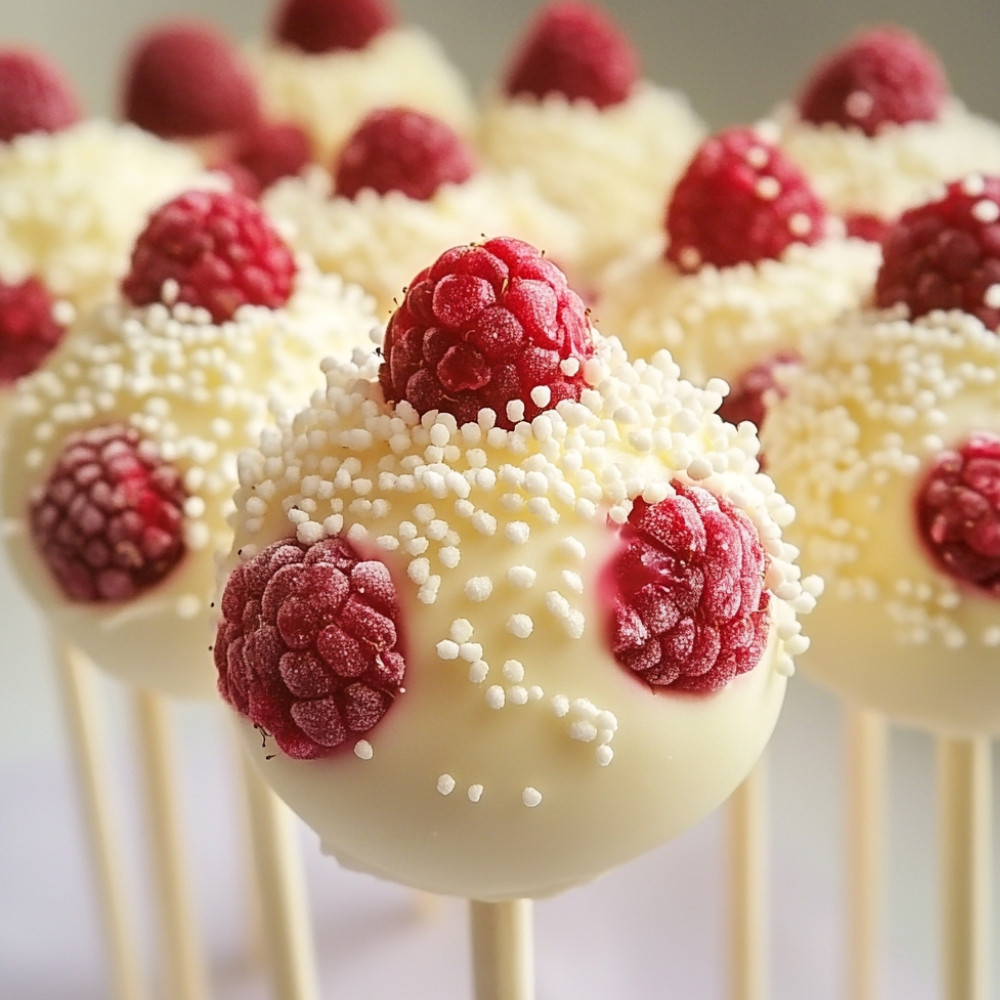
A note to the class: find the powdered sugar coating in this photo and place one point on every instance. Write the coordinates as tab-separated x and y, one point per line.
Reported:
329	93
566	763
381	241
72	203
877	403
610	168
719	322
200	393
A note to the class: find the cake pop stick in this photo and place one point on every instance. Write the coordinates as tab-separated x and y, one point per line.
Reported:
85	729
747	881
965	810
185	969
865	778
502	950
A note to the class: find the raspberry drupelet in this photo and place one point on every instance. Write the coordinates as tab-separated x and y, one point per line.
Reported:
583	579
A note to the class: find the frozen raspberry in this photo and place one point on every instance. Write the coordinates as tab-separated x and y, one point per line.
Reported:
268	151
29	331
574	49
219	249
398	149
945	254
748	398
185	80
487	326
329	25
958	512
309	647
34	95
865	226
108	520
740	200
884	76
687	604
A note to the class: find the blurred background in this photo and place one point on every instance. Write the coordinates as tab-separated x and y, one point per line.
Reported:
654	928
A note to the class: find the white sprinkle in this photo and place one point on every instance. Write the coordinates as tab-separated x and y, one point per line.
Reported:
518	695
574	548
478	588
461	630
496	697
690	259
582	730
447	650
478	671
757	156
513	670
517	532
515	411
799	224
471	652
446	784
531	797
419	571
522	576
974	185
475	793
991	297
569	366
986	211
604	755
541	395
450	556
363	750
520	625
858	104
767	188
560	706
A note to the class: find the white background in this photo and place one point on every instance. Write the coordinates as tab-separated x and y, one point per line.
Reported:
654	928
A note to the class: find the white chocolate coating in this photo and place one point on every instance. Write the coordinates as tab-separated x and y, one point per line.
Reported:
380	242
73	202
611	168
877	401
898	168
718	322
521	758
202	392
328	94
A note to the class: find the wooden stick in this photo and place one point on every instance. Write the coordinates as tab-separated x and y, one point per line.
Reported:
76	683
964	807
286	924
867	765
747	881
502	950
185	972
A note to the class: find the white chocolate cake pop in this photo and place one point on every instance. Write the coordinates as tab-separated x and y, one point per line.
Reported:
325	64
120	458
888	443
404	188
746	265
876	129
504	609
600	141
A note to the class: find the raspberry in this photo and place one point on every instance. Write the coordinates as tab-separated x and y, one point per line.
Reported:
882	77
740	200
958	512
185	80
34	95
397	149
309	647
746	401
268	151
29	331
945	254
486	326
575	50
219	249
687	605
866	226
108	519
330	25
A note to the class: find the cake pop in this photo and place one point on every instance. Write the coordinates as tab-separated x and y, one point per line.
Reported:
504	609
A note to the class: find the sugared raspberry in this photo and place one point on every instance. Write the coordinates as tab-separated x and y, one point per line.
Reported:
687	608
576	50
330	25
310	647
958	512
945	254
219	249
884	76
487	326
185	80
108	520
747	398
29	331
34	95
269	151
740	200
398	149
